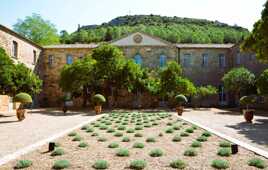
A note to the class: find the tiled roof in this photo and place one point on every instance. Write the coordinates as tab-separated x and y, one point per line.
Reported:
71	46
204	45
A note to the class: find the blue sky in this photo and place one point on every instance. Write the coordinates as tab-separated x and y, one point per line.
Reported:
67	14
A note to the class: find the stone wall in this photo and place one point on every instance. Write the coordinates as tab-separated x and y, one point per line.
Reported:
151	54
51	73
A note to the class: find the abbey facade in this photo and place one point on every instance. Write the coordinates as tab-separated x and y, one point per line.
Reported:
204	64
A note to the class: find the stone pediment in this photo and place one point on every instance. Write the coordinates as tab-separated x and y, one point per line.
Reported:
140	39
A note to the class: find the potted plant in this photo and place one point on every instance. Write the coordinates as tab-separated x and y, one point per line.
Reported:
22	98
180	100
67	102
98	100
246	101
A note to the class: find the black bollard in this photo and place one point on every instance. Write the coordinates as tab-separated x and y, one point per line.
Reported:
51	146
234	148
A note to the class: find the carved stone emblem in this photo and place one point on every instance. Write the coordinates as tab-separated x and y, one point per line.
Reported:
137	38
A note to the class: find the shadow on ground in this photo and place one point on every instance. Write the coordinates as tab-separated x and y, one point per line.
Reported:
257	132
58	112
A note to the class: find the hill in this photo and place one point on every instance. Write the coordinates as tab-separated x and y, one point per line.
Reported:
173	29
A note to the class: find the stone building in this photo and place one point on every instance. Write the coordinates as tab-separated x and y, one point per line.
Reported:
21	50
204	64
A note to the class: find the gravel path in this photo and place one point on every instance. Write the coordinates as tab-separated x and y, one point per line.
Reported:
233	124
38	125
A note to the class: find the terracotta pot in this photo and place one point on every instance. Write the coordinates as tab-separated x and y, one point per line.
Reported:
179	110
21	114
248	115
98	109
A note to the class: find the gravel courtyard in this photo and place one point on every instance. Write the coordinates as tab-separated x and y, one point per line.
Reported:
233	124
38	125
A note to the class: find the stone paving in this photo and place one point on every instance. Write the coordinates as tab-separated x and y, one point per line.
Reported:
38	125
233	124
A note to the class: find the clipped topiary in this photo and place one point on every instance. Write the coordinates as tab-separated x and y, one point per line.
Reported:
61	164
22	98
23	164
138	164
101	164
98	100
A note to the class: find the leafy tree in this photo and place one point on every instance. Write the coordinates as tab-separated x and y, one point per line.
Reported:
37	29
17	78
257	41
78	78
262	83
238	80
65	37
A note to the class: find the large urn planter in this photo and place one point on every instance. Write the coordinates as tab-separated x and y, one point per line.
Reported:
98	109
248	115
179	110
21	114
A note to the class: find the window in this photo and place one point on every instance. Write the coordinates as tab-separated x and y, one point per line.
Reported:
69	59
238	59
222	61
138	59
14	49
162	60
204	60
34	57
50	60
187	60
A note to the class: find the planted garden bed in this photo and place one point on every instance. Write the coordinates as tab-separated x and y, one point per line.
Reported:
152	141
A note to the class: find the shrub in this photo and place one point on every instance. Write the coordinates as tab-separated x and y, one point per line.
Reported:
125	139
138	145
176	138
206	133
108	123
156	153
23	98
103	127
176	127
118	134
121	128
160	134
169	130
110	130
262	82
98	99
138	135
130	130
202	139
83	145
259	163
196	144
84	127
155	124
61	164
147	125
178	164
189	130
138	128
72	134
150	140
224	152
190	152
169	124
181	99
23	164
57	152
113	145
102	139
184	134
89	130
95	134
77	138
220	164
225	144
122	152
101	164
194	127
138	164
